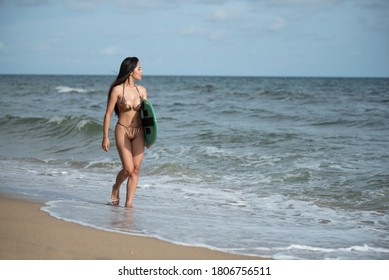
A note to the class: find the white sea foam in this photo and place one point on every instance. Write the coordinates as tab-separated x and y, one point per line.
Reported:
81	124
66	89
57	119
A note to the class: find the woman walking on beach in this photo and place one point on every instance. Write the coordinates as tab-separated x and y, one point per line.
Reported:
125	98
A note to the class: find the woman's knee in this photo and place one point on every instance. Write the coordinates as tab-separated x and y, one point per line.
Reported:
136	170
128	171
131	171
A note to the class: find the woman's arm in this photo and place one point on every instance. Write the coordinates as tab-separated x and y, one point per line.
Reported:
107	119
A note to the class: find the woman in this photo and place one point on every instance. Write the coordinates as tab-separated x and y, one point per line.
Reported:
125	98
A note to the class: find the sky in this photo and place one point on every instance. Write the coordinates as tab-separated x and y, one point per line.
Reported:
310	38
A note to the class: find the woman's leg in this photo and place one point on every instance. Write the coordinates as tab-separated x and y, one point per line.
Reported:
120	178
131	155
122	143
137	147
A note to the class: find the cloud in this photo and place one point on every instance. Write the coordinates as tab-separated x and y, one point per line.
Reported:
80	5
84	5
193	31
146	5
300	3
172	4
277	24
42	47
230	11
111	50
377	4
211	34
30	3
219	15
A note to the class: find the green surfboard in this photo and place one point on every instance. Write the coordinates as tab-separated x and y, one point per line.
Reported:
149	122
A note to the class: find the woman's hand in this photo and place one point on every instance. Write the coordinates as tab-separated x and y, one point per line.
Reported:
105	145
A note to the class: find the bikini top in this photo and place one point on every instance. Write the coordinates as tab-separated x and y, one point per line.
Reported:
124	106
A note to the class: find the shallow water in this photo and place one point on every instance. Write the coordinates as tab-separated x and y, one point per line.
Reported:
288	168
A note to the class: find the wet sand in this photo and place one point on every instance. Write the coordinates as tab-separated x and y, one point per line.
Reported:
27	233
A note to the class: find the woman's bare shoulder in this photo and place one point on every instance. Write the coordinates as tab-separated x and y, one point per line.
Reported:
116	90
140	87
143	91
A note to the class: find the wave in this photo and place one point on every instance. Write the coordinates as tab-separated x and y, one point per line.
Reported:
313	252
291	95
66	89
50	137
349	123
355	248
53	126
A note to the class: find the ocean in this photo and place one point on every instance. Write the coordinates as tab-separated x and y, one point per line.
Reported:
287	168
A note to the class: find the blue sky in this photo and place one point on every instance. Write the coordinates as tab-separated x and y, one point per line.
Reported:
348	38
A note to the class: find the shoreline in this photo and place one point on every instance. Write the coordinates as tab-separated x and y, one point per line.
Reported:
28	233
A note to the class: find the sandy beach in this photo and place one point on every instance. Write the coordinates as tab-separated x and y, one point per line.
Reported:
27	233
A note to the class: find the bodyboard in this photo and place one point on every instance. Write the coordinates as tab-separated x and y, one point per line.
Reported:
149	122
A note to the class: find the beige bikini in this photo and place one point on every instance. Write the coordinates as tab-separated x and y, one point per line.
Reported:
131	132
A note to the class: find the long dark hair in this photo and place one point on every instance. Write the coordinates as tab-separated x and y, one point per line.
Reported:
126	68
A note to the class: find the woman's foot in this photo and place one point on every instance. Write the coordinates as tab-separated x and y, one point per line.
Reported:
115	200
129	205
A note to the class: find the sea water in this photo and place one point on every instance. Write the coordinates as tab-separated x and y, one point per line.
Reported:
288	168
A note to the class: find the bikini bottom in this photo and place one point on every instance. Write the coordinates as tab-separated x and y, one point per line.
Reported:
132	132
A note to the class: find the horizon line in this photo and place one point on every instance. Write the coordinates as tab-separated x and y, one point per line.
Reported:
213	75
